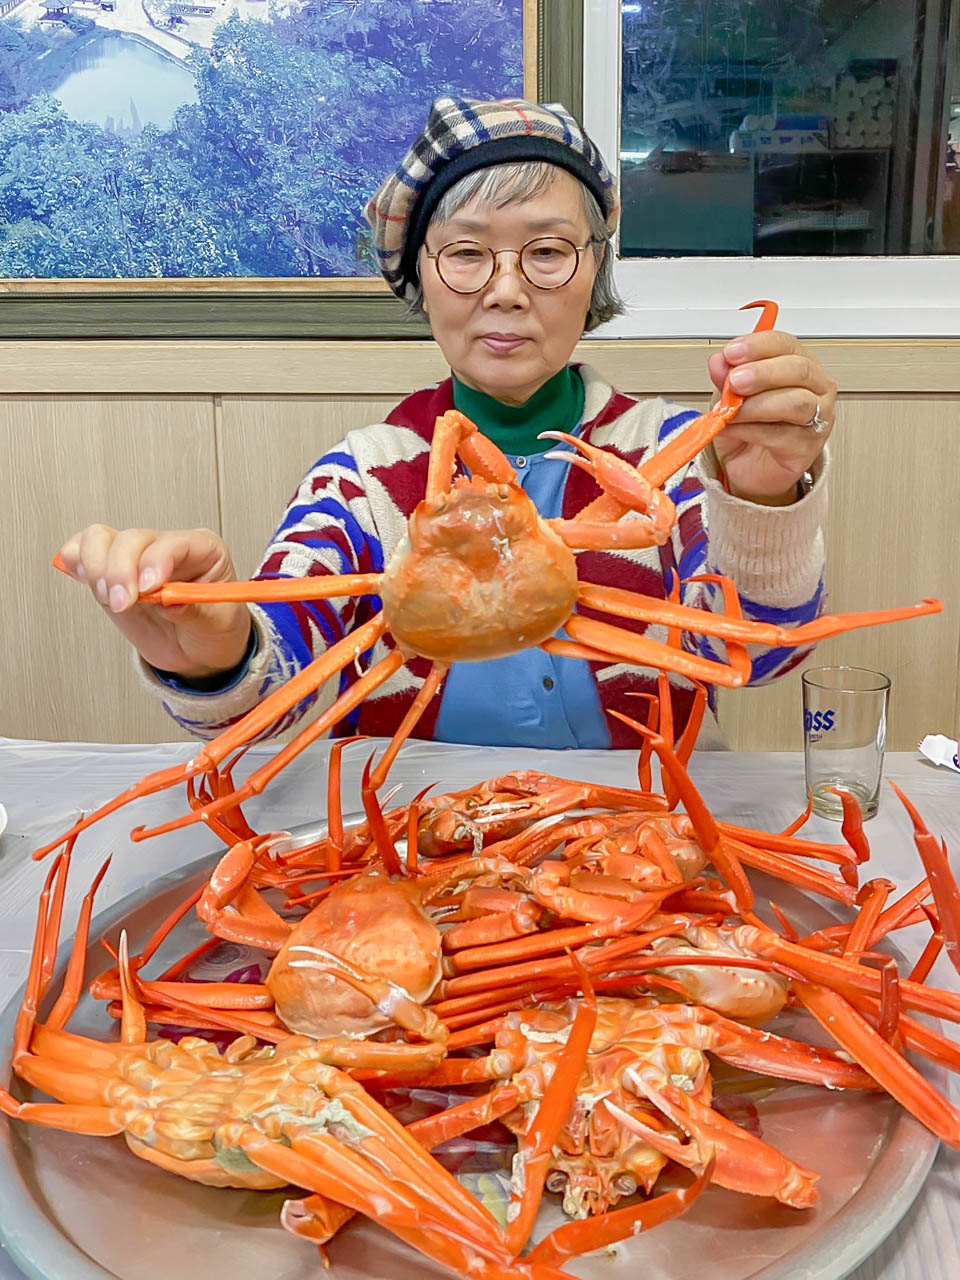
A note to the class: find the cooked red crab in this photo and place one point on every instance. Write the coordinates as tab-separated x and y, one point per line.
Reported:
481	575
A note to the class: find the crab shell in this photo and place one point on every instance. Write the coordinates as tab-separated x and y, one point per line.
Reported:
479	575
378	927
595	1161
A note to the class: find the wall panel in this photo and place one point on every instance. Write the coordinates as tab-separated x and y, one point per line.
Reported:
65	462
265	446
890	541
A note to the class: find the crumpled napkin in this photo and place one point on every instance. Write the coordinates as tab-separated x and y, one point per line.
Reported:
941	750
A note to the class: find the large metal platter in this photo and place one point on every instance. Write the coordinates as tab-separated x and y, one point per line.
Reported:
78	1208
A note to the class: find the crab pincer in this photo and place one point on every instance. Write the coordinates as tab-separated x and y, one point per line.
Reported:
621	482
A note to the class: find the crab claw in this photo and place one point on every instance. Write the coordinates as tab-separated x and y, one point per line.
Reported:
619	480
943	884
770	313
743	1162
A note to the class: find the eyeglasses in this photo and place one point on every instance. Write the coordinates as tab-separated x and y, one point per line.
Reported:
547	262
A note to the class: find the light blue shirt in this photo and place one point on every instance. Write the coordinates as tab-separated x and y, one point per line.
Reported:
529	699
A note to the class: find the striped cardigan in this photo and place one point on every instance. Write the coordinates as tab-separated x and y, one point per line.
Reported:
352	507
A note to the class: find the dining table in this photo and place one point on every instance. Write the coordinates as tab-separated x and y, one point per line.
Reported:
46	785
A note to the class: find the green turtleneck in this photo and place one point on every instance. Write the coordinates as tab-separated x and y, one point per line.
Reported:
557	406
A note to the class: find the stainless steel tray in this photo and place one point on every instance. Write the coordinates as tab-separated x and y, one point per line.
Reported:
77	1208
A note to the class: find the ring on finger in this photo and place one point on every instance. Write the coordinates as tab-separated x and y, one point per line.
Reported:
816	423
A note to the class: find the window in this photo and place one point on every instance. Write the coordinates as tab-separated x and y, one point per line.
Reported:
803	149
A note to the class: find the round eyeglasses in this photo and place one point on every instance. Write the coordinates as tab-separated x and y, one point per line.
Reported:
547	262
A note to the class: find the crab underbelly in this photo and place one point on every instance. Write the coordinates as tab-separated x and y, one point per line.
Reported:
439	608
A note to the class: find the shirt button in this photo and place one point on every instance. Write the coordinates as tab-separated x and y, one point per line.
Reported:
548	683
521	463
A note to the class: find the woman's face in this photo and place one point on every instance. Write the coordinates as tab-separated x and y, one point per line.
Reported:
509	338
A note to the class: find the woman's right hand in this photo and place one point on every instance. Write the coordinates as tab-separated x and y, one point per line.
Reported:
191	640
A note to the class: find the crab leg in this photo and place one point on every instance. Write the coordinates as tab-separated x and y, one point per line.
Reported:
45	942
319	1220
930	956
219	895
454	433
644	609
378	826
794	872
908	910
334	807
871	899
802	820
591	639
246	997
855	1035
388	1147
434	679
684	748
762	1051
665	727
163	931
95	1121
73	979
776	840
618	535
325	1167
258	590
532	1161
946	893
693	439
225	1016
231	825
609	954
255	722
628	604
397	1142
605	1229
79	1086
508	914
351	697
717	849
616	919
842	975
915	1035
265	590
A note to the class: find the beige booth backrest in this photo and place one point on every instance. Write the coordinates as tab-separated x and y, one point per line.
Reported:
174	434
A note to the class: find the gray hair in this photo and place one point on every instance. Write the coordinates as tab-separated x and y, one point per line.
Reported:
505	184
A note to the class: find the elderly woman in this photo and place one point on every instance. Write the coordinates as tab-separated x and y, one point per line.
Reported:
496	225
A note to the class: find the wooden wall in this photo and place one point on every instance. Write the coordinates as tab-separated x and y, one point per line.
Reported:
174	434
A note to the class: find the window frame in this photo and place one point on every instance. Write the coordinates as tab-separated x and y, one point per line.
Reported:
273	308
896	296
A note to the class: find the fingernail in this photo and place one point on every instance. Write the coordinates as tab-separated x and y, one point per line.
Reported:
742	379
119	598
148	580
79	571
100	590
735	350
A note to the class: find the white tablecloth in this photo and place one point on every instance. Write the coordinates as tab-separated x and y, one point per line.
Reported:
43	785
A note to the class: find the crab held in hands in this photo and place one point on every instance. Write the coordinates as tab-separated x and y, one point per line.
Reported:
480	574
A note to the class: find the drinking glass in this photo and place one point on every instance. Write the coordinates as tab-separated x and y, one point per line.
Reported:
844	731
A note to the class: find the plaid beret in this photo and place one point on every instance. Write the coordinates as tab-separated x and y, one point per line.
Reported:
463	135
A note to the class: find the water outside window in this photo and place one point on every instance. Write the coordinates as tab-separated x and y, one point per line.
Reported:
790	127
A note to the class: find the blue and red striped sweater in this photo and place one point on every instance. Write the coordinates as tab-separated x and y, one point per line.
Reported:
351	510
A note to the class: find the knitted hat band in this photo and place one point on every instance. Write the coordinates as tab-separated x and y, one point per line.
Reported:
503	151
461	137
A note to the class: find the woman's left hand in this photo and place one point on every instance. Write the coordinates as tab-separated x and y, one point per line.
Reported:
768	446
